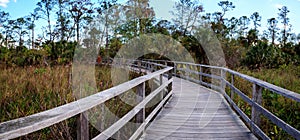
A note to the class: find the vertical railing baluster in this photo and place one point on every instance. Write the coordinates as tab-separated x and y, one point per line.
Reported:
231	88
201	78
160	83
223	78
81	120
256	98
175	69
169	77
140	117
82	127
139	67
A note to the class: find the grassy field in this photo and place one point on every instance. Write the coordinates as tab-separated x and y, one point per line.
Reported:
29	90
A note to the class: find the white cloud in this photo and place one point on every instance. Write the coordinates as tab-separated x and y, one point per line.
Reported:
278	5
3	3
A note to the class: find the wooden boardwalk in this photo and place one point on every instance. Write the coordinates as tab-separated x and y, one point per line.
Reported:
187	111
196	112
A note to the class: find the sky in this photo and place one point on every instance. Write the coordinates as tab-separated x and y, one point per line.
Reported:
266	8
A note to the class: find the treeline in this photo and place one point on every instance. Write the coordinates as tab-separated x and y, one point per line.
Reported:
242	41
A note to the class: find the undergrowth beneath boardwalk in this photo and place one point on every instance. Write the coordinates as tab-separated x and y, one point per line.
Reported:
28	90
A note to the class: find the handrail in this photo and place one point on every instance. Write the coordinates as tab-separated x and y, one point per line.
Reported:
284	92
25	125
255	102
279	90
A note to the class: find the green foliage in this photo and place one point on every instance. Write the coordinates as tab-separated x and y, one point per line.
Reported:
263	55
55	53
284	108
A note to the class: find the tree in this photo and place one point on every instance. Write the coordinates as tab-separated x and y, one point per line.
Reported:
31	25
63	27
19	26
226	6
81	10
139	13
285	21
218	25
232	26
163	27
263	55
45	7
243	23
93	39
186	13
252	37
4	24
256	18
298	38
272	27
105	10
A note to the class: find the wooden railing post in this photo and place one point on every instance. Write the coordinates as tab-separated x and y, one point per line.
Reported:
169	77
140	117
82	127
187	76
175	69
139	67
152	67
160	83
223	84
201	78
256	98
231	89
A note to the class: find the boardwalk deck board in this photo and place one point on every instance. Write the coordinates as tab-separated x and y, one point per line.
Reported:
196	112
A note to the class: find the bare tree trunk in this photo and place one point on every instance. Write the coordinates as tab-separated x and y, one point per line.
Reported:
273	37
32	39
49	25
77	32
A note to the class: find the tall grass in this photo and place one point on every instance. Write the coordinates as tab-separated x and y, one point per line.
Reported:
28	90
288	110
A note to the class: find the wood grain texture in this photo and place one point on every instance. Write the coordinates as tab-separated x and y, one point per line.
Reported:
195	112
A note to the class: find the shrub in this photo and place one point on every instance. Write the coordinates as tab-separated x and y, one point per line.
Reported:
263	55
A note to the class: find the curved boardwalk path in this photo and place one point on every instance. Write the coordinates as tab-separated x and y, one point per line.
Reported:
196	112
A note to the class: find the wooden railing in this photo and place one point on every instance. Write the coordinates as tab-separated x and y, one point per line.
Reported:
22	126
219	82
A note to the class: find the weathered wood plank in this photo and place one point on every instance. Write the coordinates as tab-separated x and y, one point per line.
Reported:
140	117
82	127
213	135
186	110
126	118
150	117
234	136
257	98
188	130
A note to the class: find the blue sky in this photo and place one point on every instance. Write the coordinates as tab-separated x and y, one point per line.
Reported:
266	8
